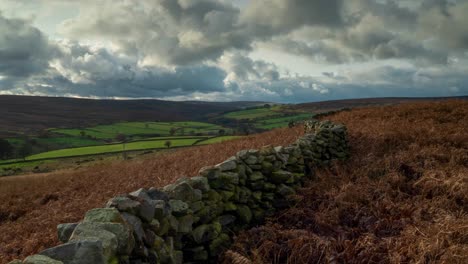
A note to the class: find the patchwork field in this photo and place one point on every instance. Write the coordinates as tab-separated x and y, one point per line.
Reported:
93	150
138	129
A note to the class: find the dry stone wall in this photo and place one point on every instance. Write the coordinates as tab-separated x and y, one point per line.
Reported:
194	219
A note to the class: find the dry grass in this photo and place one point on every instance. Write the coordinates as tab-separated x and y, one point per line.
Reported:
401	198
32	206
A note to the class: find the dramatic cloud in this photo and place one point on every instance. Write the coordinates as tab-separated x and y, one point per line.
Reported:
205	49
24	50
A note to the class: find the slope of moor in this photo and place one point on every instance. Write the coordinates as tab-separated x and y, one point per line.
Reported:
401	198
32	206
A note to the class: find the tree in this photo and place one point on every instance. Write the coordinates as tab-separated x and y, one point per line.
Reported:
221	132
172	131
82	133
291	124
168	143
6	149
25	149
122	138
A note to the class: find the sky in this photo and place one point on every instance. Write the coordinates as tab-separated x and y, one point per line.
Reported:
287	51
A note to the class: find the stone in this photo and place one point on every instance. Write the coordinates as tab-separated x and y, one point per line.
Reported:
178	207
256	167
104	215
200	255
226	220
210	172
257	196
200	183
161	209
230	207
251	160
280	176
213	195
149	238
269	186
227	165
244	194
243	154
64	231
173	224
244	213
226	195
229	177
196	206
268	196
154	224
256	176
39	259
146	210
156	194
164	227
204	233
285	190
225	181
124	204
123	233
183	191
219	244
89	231
88	251
136	225
257	185
186	223
141	193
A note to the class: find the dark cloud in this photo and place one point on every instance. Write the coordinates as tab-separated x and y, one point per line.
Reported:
184	48
24	50
242	68
93	71
268	18
183	32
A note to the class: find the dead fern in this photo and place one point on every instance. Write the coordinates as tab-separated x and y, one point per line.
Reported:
236	258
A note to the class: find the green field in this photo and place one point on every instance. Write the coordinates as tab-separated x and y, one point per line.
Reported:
135	129
281	121
255	113
93	150
217	140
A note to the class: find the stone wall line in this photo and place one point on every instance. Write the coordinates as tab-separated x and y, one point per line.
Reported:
194	219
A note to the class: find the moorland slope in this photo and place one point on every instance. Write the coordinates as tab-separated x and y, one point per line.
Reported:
401	198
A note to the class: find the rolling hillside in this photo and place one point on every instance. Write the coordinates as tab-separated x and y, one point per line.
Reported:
33	113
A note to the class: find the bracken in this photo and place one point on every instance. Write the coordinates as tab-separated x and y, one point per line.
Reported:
401	198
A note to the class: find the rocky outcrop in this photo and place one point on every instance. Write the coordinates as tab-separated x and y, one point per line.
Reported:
193	219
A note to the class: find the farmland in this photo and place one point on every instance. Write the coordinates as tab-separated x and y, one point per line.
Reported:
141	129
270	123
266	118
93	150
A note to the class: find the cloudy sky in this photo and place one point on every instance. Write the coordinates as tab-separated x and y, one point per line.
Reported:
224	50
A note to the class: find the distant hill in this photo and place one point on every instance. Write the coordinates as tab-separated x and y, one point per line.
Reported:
352	103
32	113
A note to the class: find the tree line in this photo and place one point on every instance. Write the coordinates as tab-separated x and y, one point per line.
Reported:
8	151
